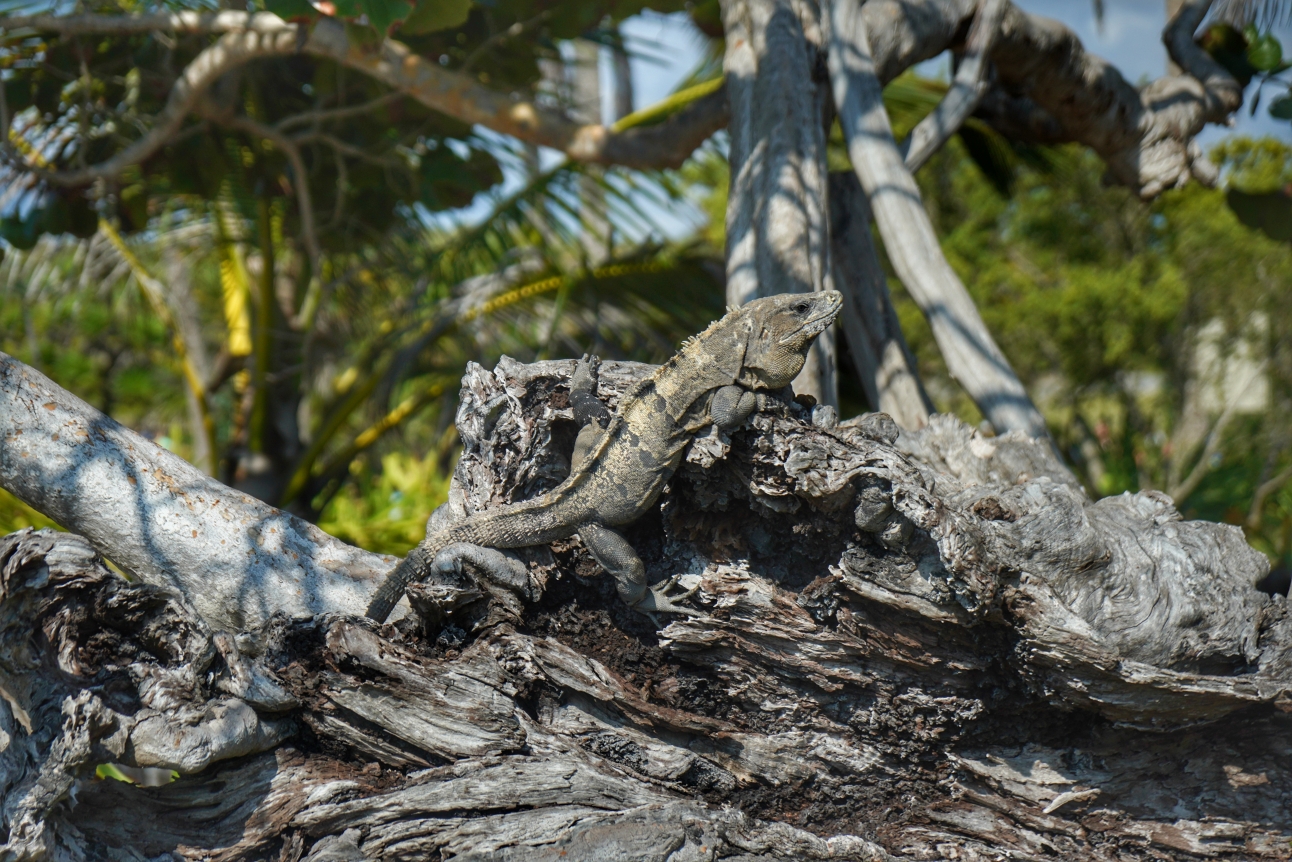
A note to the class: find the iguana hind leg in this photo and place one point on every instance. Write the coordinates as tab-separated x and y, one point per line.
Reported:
618	558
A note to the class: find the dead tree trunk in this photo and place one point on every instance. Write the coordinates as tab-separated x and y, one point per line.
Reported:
914	646
778	234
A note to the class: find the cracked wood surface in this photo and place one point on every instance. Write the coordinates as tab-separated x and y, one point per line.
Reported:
916	645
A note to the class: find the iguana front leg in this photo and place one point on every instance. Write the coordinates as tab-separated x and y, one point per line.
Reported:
731	406
618	558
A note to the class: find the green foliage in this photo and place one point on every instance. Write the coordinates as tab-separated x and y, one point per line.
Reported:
1254	165
15	515
385	509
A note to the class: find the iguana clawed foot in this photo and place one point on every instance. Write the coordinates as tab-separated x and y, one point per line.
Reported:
657	600
490	564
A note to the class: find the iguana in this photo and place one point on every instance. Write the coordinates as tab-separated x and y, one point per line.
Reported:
622	462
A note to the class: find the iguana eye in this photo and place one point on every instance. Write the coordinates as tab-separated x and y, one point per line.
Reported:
801	307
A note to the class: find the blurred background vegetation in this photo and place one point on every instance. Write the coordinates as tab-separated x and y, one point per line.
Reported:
288	298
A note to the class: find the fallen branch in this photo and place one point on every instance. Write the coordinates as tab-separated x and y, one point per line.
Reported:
924	641
236	559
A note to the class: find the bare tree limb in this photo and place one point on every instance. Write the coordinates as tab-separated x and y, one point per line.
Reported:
314	118
249	37
966	90
1144	135
1182	489
1221	93
236	559
1049	89
777	233
1263	491
971	353
881	358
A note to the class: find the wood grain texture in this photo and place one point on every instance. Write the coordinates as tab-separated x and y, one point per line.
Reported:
916	645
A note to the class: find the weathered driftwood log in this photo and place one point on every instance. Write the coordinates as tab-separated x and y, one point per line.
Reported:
923	647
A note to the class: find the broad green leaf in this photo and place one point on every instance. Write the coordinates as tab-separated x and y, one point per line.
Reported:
1281	108
383	14
291	9
1265	53
1269	213
431	15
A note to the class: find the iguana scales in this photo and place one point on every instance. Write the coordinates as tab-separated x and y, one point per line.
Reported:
622	462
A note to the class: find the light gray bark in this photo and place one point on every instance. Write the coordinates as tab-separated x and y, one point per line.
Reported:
965	93
972	356
777	230
236	559
881	359
921	646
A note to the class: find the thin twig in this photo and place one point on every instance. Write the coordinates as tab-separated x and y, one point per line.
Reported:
304	200
966	90
515	30
1202	466
316	117
1263	491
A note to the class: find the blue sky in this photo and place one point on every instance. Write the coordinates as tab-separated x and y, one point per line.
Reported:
1130	38
666	48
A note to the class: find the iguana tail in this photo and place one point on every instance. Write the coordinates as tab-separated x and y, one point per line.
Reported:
533	522
410	570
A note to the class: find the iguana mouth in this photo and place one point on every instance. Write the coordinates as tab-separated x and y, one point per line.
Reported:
819	322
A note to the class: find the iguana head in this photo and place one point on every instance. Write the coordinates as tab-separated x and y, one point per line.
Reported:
781	331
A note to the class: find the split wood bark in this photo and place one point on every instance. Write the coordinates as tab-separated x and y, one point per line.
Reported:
914	646
778	236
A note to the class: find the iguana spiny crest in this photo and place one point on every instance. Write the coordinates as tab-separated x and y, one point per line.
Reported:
622	463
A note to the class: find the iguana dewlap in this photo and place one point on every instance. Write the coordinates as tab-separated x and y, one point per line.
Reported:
622	461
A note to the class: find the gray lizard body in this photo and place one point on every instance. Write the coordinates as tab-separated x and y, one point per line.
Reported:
622	462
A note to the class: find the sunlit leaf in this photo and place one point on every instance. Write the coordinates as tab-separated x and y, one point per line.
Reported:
1265	53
